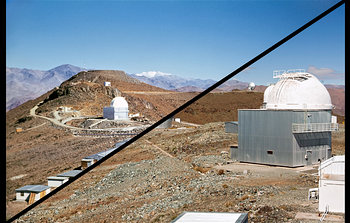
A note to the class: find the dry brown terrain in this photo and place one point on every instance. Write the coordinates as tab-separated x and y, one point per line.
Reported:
338	99
221	106
159	176
142	184
48	150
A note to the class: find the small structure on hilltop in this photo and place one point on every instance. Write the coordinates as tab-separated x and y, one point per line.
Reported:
251	86
293	127
332	185
31	193
118	109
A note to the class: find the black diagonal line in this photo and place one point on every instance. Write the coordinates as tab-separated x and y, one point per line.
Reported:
197	97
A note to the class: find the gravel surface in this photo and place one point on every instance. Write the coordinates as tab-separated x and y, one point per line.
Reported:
200	177
160	189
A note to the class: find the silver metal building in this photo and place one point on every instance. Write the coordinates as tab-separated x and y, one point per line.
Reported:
166	124
292	128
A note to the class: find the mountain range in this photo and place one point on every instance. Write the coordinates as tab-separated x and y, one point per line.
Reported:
176	83
27	84
170	81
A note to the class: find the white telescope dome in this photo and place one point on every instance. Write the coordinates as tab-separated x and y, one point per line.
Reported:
297	90
267	92
119	102
251	86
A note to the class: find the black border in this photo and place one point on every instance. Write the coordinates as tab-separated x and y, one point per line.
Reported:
217	84
3	77
347	99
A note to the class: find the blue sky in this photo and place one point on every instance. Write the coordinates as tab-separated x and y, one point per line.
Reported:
193	39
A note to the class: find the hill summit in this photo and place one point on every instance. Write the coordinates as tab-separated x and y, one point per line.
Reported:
27	84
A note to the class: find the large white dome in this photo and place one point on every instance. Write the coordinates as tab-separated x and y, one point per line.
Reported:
119	102
267	92
297	90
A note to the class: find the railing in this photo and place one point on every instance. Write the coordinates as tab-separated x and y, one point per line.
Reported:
314	127
324	213
284	73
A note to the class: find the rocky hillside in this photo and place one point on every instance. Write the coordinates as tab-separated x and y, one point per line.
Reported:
181	169
86	92
221	106
44	149
170	81
26	84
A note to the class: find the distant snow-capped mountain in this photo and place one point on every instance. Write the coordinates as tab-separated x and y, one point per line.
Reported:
170	81
26	84
152	74
173	82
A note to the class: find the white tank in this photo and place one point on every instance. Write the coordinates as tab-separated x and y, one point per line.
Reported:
297	90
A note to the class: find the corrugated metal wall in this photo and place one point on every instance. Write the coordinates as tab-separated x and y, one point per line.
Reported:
319	143
265	136
166	124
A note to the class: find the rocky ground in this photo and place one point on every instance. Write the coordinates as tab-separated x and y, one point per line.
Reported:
144	184
166	172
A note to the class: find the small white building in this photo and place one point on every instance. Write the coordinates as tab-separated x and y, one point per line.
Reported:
211	217
89	160
31	193
107	83
118	110
86	162
54	181
332	185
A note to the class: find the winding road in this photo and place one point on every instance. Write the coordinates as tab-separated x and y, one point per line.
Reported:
53	120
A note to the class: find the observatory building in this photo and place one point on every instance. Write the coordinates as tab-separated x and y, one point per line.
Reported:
118	109
293	126
251	86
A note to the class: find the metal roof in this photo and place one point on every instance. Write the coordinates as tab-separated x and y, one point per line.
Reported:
232	122
33	188
100	155
211	217
56	178
333	165
121	143
71	173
